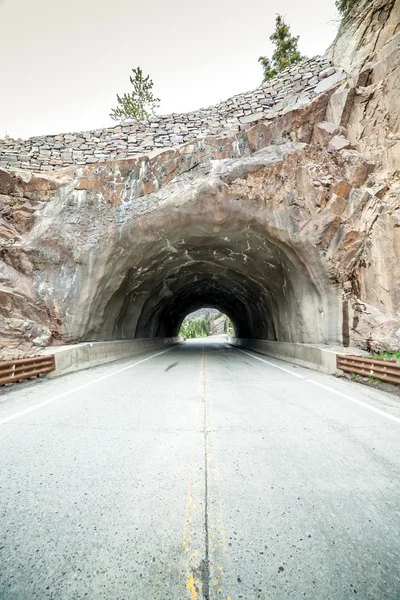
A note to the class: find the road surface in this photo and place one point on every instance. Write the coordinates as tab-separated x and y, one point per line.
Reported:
201	473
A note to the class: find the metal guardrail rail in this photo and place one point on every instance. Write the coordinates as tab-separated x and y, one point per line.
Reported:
385	370
12	371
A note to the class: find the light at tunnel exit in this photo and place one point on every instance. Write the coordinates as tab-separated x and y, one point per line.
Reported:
206	322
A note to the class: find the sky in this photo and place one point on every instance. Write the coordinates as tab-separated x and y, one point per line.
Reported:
63	61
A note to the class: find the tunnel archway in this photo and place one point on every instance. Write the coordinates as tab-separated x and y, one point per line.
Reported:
233	237
264	286
235	298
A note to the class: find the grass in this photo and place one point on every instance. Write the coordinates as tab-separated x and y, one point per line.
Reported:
356	377
387	356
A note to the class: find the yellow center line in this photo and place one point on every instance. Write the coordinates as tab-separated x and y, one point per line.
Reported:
192	566
217	536
201	573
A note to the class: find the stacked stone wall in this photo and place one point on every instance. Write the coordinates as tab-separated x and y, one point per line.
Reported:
295	86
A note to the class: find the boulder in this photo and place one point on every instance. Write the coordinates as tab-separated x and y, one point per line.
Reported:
323	132
338	142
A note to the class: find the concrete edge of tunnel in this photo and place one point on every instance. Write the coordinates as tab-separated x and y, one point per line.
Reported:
77	357
305	355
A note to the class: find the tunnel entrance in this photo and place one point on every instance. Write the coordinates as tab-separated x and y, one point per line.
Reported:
206	322
264	286
232	235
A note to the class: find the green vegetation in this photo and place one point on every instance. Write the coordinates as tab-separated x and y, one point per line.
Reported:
140	104
195	328
345	6
387	356
371	378
228	327
286	52
355	376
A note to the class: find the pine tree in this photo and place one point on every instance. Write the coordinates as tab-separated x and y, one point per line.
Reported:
345	6
140	104
286	52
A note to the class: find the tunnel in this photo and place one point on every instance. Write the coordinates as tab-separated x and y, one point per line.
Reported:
264	287
236	236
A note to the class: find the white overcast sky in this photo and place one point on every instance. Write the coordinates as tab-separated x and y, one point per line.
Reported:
63	61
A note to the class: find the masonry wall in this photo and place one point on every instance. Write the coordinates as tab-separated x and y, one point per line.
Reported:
296	86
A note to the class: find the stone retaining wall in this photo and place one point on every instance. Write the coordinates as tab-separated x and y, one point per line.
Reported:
296	86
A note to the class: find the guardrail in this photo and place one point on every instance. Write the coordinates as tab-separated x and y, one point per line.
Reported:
12	371
385	370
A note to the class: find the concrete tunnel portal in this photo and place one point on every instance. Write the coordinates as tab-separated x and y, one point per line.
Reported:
266	292
202	242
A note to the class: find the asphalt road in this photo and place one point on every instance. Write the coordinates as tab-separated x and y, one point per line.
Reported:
203	472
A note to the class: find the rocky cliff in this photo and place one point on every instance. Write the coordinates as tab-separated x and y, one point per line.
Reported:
289	222
368	47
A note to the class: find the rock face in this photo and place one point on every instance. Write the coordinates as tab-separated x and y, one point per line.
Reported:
218	327
290	226
367	105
